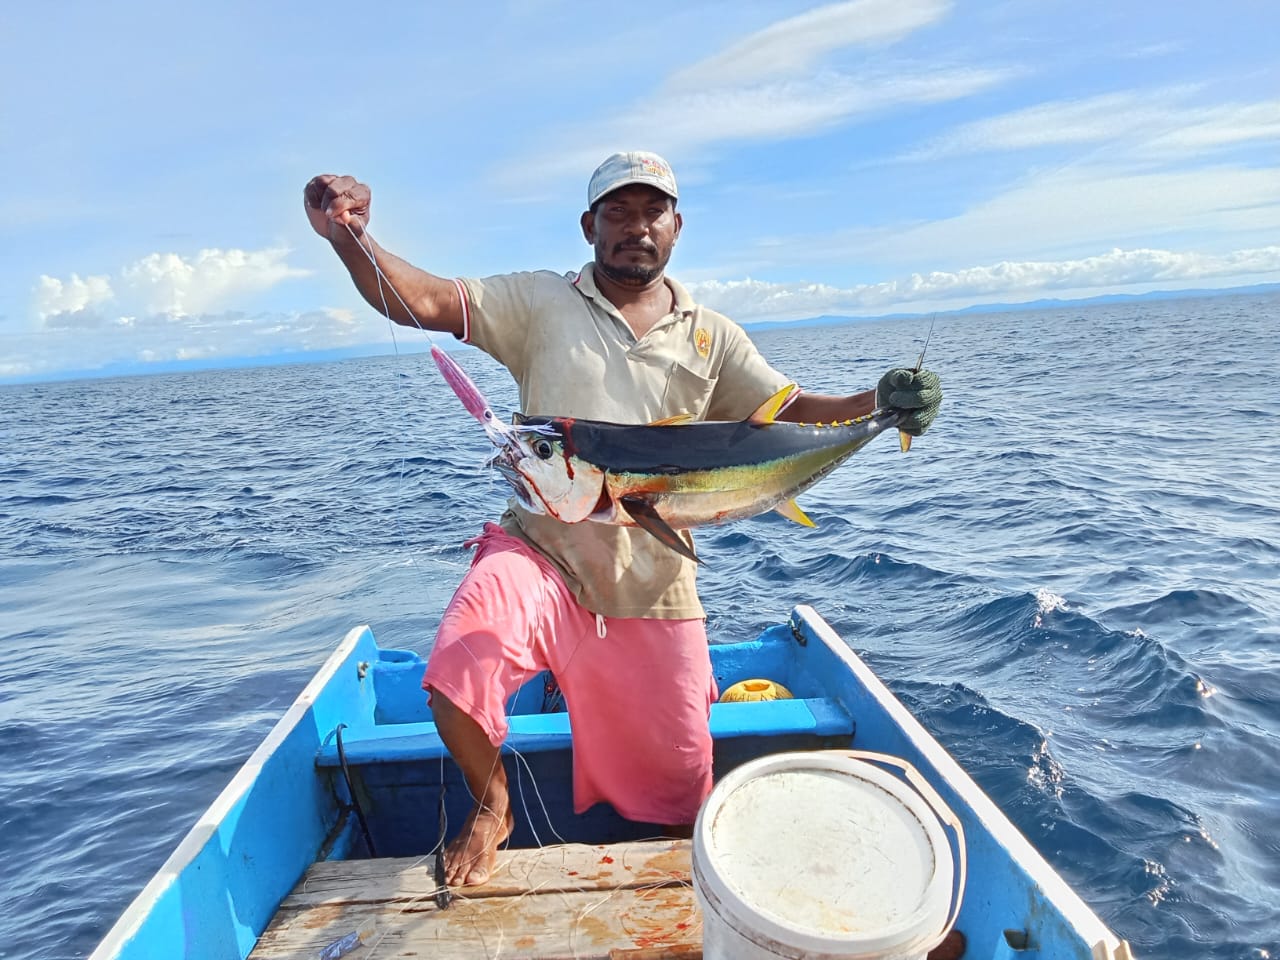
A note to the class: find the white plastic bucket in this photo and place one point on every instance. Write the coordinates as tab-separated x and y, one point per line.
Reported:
822	855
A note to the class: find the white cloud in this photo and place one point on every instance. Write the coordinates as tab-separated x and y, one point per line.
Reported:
1224	125
772	85
167	306
684	123
793	46
231	335
173	284
71	296
1133	123
1148	51
161	285
1005	281
1063	213
1070	209
688	121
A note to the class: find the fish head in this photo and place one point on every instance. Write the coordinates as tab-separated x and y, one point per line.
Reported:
545	476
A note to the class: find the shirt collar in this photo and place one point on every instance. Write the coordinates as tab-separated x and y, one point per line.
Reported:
585	281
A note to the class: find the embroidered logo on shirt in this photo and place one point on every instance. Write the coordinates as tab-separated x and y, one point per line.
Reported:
702	342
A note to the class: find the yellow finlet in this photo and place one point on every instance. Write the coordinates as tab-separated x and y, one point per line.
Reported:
675	421
791	510
767	411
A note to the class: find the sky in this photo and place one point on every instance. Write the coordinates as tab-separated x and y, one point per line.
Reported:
856	158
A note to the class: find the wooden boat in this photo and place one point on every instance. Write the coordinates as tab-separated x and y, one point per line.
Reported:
281	866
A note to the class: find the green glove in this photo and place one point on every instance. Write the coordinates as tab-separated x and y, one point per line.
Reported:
916	394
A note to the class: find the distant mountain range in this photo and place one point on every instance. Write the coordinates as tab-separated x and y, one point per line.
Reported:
1043	304
415	345
132	368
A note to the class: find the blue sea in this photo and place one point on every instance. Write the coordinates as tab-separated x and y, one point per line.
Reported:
1073	579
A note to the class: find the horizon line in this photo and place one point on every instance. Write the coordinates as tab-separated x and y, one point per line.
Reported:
334	354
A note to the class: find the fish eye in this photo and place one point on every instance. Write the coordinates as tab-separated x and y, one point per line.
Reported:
543	449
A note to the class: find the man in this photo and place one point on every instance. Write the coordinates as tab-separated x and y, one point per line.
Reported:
617	341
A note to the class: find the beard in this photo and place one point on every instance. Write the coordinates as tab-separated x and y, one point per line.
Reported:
631	274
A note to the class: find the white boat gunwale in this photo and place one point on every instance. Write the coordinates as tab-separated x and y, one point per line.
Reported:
213	858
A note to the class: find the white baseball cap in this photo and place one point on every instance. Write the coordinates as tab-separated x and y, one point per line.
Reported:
634	166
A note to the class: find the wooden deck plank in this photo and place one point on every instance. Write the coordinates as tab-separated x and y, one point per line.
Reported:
560	867
568	902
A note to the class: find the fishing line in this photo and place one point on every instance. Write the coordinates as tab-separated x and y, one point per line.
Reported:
351	790
385	283
395	346
443	895
928	336
533	781
524	804
381	278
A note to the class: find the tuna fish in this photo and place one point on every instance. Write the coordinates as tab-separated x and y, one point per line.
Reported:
666	476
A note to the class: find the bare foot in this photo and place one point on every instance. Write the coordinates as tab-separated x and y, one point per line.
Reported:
469	859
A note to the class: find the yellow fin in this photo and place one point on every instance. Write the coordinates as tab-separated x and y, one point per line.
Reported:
677	420
904	440
766	412
791	510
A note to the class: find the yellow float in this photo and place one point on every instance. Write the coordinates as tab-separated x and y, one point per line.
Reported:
750	690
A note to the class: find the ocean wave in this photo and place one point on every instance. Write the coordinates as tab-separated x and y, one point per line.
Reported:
1068	579
1187	605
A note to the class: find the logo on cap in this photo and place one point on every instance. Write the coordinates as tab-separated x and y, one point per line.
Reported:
655	166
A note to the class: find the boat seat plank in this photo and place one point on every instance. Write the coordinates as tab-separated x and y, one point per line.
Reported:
627	900
531	733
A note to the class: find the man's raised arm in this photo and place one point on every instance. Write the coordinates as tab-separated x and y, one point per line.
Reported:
338	209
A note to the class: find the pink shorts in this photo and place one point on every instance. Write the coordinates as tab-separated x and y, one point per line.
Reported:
639	691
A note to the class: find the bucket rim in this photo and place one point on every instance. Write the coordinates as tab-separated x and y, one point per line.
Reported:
919	927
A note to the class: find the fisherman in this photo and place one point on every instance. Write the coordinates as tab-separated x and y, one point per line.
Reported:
619	341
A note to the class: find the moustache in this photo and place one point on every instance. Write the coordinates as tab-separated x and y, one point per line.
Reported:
646	246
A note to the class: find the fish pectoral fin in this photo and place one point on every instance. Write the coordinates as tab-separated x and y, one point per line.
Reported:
680	419
647	518
791	510
767	411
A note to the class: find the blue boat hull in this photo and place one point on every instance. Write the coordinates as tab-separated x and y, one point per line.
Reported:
302	796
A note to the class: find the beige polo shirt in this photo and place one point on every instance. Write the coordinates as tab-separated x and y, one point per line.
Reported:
573	355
